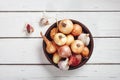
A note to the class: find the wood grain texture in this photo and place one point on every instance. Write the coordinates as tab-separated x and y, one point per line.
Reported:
103	24
87	72
22	57
29	51
37	5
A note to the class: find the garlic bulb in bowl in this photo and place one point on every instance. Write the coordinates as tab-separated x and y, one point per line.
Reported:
63	65
84	38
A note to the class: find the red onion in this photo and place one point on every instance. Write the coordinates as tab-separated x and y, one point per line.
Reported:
64	51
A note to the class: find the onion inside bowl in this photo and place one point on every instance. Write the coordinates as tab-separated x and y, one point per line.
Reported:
90	46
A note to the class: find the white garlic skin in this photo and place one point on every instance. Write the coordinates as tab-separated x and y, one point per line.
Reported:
44	22
84	38
63	65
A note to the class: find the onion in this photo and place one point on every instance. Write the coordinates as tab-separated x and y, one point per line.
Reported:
77	30
53	32
56	58
77	46
75	60
85	52
65	26
70	39
50	47
64	51
60	39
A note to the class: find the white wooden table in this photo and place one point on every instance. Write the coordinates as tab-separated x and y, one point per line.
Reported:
22	58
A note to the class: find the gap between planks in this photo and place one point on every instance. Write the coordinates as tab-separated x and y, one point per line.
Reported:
41	37
12	11
85	64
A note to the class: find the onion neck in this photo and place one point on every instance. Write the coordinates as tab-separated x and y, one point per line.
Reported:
60	37
64	24
78	45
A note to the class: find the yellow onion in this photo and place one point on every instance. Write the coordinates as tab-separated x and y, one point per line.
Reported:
53	32
77	30
56	58
60	39
77	46
50	48
70	39
85	52
65	26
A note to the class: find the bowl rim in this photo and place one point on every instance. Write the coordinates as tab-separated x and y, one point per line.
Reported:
84	29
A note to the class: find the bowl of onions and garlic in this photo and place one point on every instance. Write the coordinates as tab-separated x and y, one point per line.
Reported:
68	44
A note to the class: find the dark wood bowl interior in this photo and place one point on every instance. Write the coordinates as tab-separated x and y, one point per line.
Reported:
90	46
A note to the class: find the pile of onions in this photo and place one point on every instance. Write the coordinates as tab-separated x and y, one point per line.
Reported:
69	45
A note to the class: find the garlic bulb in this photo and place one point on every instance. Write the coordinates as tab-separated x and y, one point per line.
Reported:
63	65
84	38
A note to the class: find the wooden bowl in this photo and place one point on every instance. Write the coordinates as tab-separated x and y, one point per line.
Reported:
90	46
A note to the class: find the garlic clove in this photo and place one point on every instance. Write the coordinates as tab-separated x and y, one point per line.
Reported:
63	65
44	21
53	32
28	29
84	38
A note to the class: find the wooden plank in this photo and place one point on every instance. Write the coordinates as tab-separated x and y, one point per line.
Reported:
22	51
30	5
101	24
29	51
87	72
